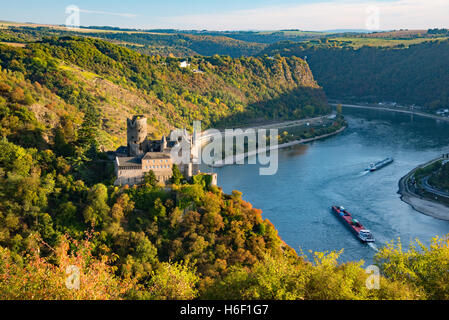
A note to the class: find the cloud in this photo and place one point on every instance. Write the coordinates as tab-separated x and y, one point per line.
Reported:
350	14
125	15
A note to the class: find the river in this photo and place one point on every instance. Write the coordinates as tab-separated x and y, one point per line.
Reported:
314	176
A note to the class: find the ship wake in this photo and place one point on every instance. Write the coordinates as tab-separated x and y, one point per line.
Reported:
363	173
373	246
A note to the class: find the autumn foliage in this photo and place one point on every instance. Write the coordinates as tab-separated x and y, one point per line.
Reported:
55	277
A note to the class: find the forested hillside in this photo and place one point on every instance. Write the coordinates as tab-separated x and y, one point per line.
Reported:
185	44
117	82
179	43
176	44
417	74
405	66
258	37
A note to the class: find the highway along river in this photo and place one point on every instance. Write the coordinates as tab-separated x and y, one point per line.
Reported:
314	176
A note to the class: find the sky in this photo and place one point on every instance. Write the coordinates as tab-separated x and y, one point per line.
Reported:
236	14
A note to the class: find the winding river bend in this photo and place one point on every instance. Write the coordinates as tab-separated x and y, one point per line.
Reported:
315	176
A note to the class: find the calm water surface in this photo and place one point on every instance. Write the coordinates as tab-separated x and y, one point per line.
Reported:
315	176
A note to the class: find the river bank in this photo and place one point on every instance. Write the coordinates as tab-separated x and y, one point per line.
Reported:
421	114
205	137
231	160
419	203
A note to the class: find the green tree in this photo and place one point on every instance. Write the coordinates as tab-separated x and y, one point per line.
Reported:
339	109
150	179
421	267
173	281
14	158
88	132
96	211
177	177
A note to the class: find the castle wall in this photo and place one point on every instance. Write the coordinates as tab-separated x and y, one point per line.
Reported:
129	177
162	167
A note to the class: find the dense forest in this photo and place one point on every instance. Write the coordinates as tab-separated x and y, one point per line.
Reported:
170	41
416	74
166	44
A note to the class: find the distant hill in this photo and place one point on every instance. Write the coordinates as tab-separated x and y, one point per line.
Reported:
398	65
408	72
180	43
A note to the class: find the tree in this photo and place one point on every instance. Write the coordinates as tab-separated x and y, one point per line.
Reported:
122	207
88	132
96	211
14	158
158	210
309	110
150	179
18	95
339	109
173	281
177	177
423	268
76	275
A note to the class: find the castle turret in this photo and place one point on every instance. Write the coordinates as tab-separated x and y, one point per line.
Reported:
136	135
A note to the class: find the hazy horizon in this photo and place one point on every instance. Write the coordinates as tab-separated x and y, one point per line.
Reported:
233	15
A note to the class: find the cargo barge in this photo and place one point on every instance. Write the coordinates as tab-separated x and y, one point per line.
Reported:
354	225
379	165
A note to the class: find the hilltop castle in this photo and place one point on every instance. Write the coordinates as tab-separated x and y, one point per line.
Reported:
141	155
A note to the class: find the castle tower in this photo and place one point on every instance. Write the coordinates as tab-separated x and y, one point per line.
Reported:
136	135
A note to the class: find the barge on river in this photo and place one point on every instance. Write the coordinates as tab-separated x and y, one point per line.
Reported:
354	225
379	165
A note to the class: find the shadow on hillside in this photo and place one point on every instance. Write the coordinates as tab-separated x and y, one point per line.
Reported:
299	103
29	138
